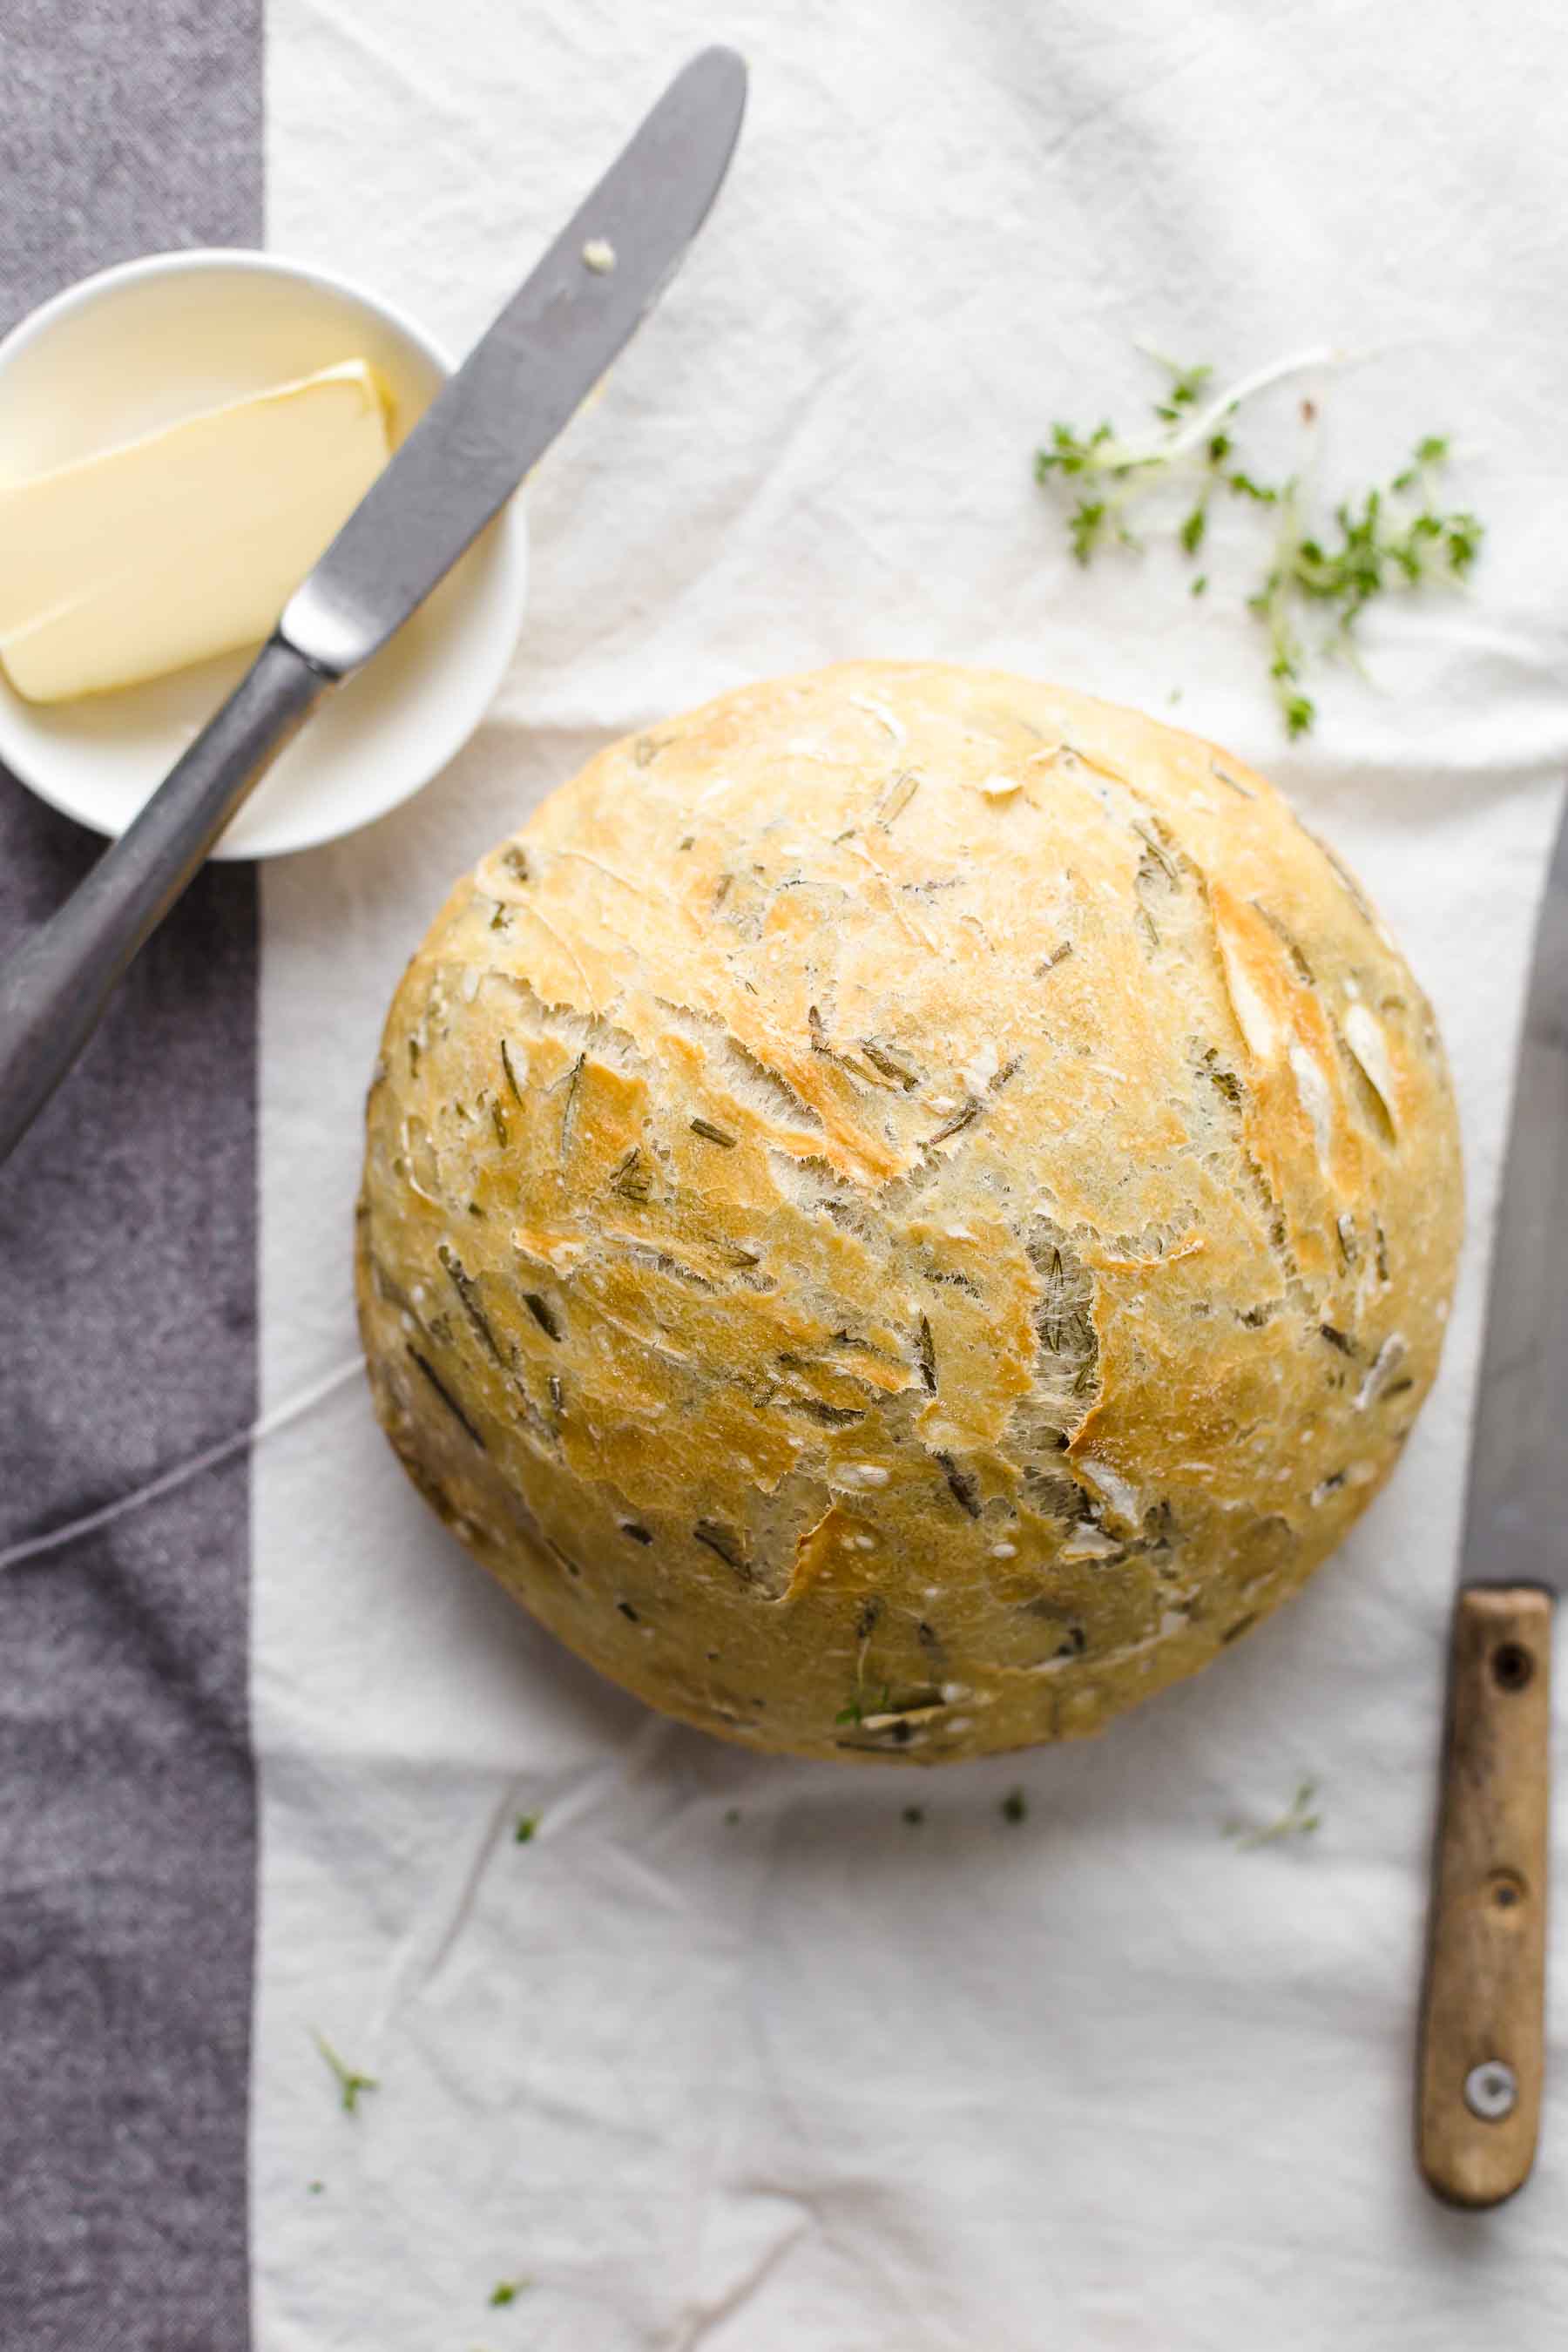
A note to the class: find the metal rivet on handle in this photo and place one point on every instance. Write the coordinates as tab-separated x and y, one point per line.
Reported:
1491	2090
1512	1665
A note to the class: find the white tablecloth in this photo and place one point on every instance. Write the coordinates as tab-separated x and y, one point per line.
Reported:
817	2080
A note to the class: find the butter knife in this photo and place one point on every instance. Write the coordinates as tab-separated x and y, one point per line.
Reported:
488	424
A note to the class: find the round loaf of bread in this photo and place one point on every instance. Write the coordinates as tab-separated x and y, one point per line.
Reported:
905	1210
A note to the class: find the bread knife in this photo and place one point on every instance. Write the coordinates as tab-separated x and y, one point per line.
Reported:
1482	2043
516	390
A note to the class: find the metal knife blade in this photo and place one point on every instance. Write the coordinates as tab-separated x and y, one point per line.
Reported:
506	404
1516	1513
527	375
1483	2004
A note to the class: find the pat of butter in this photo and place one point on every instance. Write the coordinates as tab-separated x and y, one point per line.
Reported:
187	542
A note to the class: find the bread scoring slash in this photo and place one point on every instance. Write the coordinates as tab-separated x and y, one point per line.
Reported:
906	1210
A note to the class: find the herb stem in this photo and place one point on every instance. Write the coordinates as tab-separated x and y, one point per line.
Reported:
1159	448
350	2082
1300	1818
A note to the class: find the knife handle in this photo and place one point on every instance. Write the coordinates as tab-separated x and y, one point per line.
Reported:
55	985
1483	2005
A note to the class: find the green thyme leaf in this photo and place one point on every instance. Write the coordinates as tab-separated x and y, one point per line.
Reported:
1300	1818
1186	384
860	1707
523	1832
1086	526
350	2083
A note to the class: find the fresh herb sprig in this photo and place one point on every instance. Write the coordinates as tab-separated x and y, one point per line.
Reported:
1300	1818
1192	446
1395	538
350	2082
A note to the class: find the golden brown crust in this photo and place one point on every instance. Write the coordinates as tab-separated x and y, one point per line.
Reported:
905	1210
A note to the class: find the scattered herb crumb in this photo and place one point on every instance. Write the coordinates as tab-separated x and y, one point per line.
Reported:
1394	538
856	1711
314	2187
1015	1807
507	2290
732	1816
1300	1818
349	2081
914	1815
527	1823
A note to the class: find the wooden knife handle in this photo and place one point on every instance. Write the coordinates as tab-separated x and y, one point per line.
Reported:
1483	2007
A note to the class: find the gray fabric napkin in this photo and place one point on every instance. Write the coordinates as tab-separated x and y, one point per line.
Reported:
128	1313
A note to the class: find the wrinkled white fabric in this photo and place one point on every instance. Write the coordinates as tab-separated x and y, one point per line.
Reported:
819	2080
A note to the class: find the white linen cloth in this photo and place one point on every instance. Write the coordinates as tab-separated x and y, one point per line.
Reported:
818	2080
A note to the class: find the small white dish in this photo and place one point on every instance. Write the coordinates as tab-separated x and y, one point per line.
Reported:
130	349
